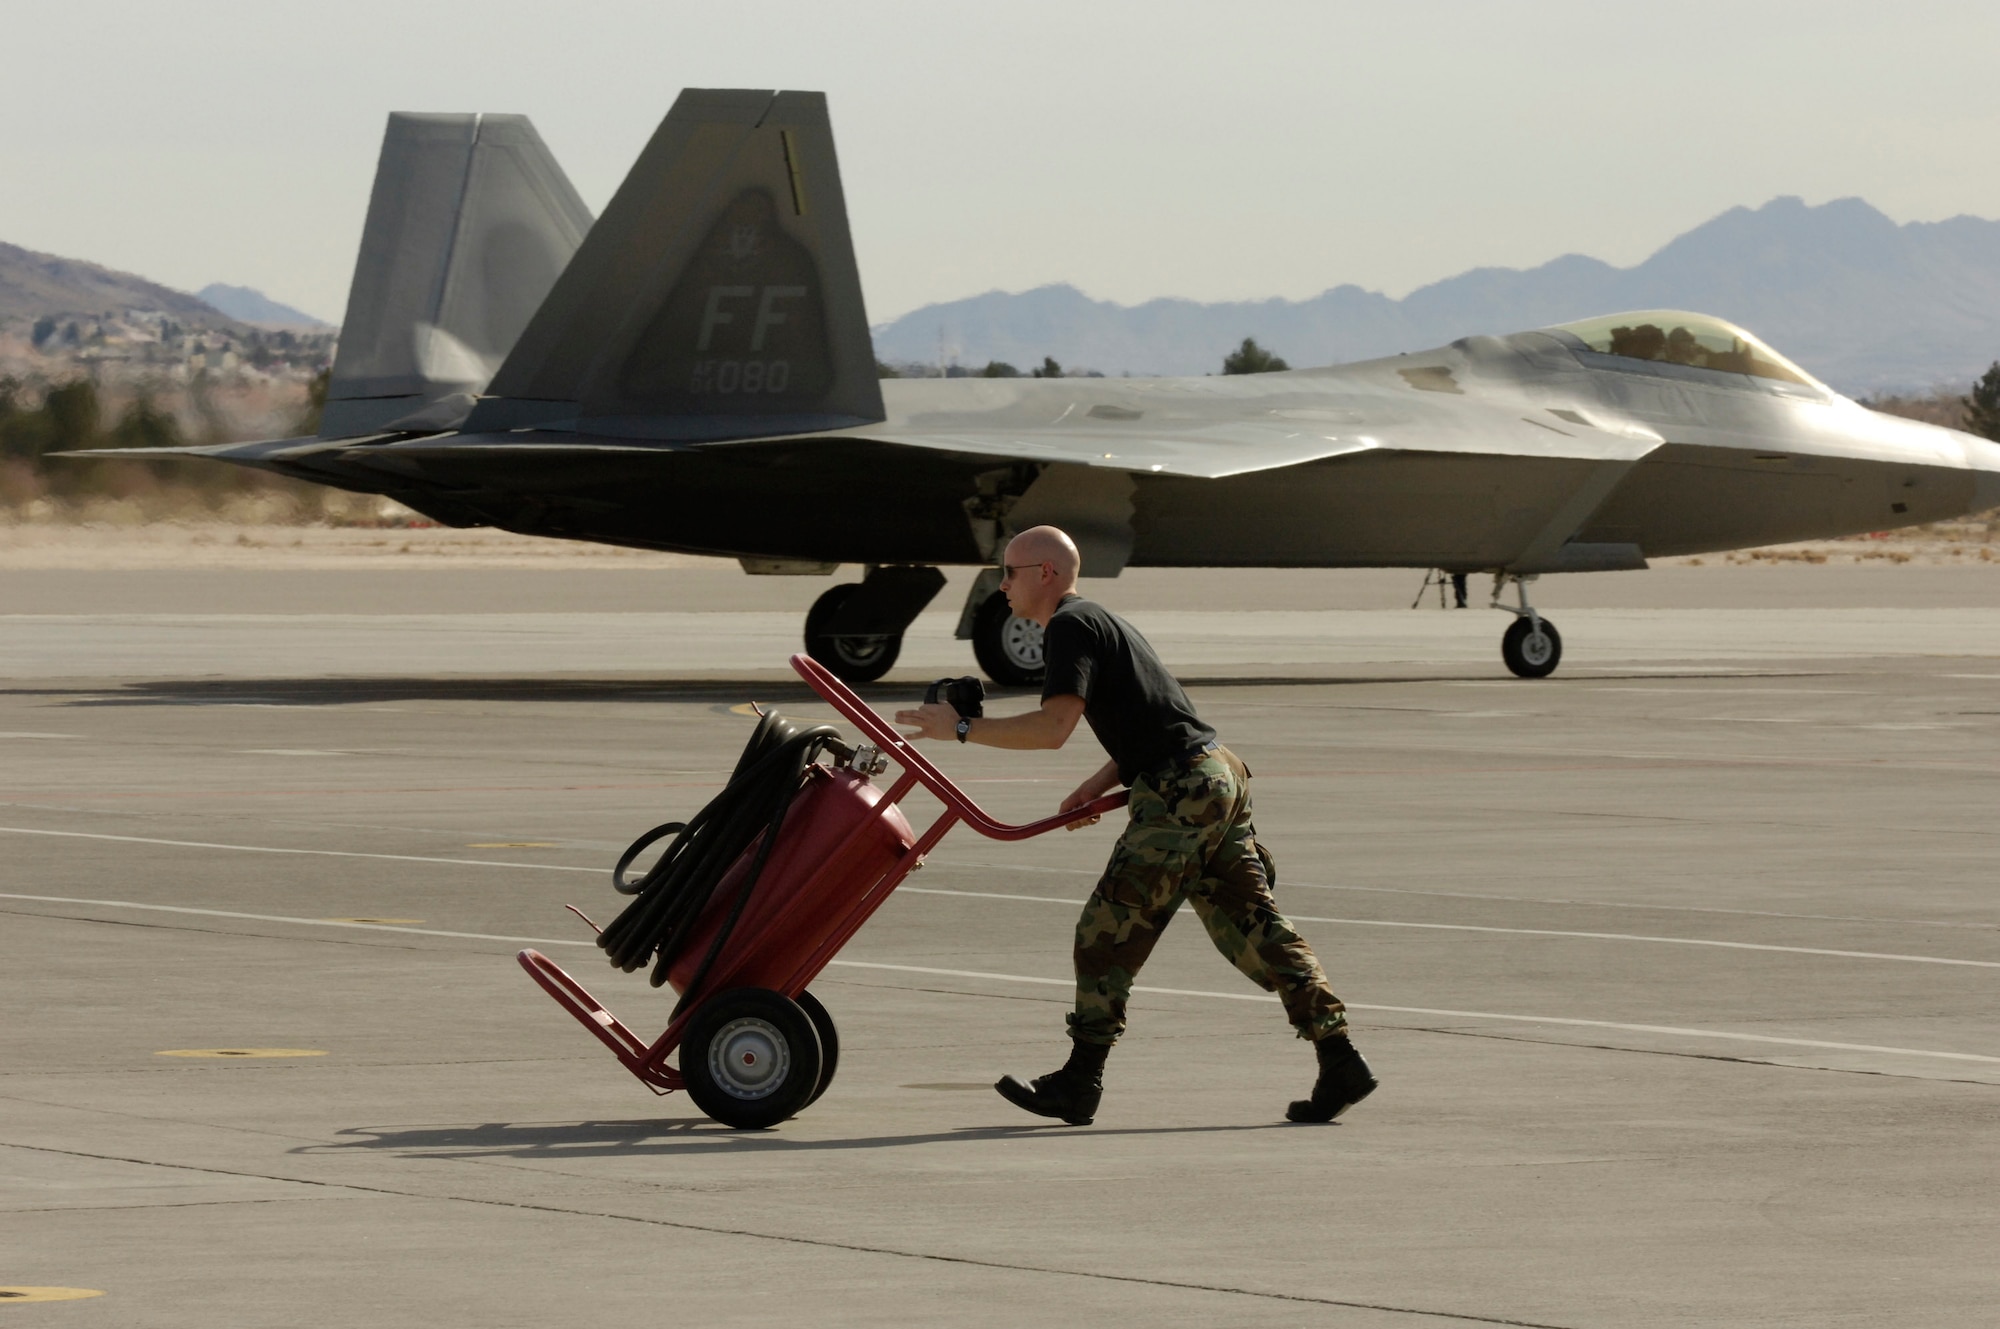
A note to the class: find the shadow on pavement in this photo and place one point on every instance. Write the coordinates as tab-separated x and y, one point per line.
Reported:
696	1135
774	690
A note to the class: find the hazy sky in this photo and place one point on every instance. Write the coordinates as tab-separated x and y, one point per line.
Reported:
1216	151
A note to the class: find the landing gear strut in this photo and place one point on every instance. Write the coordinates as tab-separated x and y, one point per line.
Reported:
1531	646
856	629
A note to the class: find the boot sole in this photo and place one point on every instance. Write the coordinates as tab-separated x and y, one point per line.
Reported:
1023	1096
1303	1112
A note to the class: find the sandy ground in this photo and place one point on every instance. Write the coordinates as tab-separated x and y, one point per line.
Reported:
48	546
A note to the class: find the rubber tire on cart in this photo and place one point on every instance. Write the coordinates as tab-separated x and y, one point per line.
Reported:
1009	649
750	1058
849	659
1532	648
829	1042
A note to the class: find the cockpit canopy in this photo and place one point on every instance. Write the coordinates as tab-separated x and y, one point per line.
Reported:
1696	340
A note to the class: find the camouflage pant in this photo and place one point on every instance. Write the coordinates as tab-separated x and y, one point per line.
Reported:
1190	838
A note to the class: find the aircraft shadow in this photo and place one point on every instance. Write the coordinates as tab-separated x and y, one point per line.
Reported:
711	691
689	1136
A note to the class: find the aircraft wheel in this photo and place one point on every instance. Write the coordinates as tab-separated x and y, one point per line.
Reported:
751	1058
1009	649
1531	648
829	1042
849	659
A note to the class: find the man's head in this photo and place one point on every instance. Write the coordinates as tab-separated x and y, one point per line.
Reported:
1041	564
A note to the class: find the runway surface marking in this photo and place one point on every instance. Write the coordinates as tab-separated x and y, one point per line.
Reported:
1524	932
1065	982
317	853
1041	899
242	1052
1486	898
23	1293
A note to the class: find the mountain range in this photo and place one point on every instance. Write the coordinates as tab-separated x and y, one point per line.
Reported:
1858	300
249	306
33	285
1862	302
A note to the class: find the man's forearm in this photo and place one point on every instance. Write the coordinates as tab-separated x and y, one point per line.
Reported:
1030	731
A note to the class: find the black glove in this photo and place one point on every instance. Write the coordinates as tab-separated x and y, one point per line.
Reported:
965	695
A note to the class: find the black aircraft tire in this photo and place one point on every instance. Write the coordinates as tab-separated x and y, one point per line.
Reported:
750	1058
1531	653
829	1042
1009	649
849	659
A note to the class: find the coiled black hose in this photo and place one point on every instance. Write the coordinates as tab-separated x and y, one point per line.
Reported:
675	891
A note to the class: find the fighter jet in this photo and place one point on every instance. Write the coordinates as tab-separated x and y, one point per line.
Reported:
693	372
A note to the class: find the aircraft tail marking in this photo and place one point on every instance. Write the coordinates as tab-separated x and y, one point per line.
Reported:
469	225
718	297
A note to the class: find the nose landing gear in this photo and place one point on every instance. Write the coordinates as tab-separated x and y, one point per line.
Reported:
1531	646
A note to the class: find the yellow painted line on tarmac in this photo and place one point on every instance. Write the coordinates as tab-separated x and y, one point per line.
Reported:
20	1293
242	1052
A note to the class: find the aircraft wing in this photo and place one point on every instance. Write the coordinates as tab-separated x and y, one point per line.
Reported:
1213	428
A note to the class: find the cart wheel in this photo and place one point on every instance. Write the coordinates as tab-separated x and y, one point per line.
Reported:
751	1058
829	1041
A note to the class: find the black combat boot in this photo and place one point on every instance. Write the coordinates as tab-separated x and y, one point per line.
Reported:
1344	1080
1071	1093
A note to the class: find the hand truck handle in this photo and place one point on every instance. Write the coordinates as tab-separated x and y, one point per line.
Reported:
893	745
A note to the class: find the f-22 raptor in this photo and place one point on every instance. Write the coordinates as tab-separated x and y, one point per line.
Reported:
693	372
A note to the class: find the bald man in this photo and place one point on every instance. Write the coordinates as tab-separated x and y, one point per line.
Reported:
1189	837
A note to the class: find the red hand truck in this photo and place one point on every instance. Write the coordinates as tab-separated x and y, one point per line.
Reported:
755	1046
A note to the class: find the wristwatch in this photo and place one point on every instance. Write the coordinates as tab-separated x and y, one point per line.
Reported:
964	727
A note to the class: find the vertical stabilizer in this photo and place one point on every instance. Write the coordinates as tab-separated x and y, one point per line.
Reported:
469	226
718	298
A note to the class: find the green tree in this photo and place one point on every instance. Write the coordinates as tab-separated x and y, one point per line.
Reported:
45	328
145	425
999	369
887	371
74	413
1049	369
308	421
1982	405
1250	358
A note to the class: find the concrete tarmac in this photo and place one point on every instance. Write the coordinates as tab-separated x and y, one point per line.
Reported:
1679	968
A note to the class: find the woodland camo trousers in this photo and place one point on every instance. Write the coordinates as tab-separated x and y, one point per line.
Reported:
1190	838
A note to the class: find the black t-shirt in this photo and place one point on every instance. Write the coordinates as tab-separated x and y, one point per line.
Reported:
1134	706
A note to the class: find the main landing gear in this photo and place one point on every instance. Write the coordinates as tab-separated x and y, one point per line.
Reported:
1009	649
856	629
1531	646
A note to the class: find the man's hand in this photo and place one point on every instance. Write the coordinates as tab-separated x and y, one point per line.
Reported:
1048	726
1099	784
933	720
